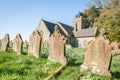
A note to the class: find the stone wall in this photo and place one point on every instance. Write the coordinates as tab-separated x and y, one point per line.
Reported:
81	42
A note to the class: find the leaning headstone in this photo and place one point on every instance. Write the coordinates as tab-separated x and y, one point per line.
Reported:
115	47
10	44
17	44
57	47
34	44
5	43
98	57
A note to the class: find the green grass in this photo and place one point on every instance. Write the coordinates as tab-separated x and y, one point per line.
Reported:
75	58
115	67
23	67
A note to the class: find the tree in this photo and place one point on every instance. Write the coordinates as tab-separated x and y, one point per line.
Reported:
104	14
99	3
109	19
89	16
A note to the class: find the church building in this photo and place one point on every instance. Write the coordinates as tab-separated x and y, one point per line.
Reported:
76	35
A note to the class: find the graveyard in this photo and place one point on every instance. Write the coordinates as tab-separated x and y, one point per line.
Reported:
59	40
34	61
24	67
58	60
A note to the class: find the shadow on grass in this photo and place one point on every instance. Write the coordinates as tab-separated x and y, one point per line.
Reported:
74	62
24	53
116	75
9	50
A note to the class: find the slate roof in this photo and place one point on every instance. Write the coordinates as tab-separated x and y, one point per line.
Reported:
61	31
90	32
50	26
68	28
81	33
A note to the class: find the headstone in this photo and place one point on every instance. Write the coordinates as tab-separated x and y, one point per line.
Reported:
98	57
17	44
115	47
5	43
10	44
57	47
34	44
88	56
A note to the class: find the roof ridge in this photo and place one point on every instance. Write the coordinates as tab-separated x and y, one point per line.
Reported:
48	21
49	25
64	24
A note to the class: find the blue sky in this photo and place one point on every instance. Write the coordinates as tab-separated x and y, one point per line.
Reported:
23	16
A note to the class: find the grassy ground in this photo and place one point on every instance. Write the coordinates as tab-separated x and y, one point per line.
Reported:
23	67
75	59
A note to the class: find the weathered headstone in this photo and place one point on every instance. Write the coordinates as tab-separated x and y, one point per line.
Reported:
35	44
10	44
115	47
88	56
17	44
98	57
5	43
57	47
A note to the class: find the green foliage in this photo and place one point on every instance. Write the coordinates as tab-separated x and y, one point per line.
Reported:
89	16
25	50
44	52
110	21
115	67
104	14
74	56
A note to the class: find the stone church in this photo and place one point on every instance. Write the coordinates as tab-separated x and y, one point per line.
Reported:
76	35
